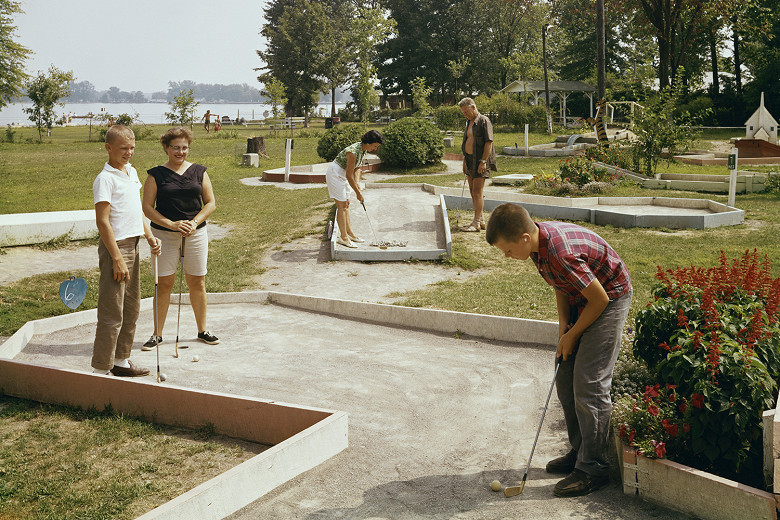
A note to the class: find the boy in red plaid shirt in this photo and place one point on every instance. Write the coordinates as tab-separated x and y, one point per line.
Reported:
593	296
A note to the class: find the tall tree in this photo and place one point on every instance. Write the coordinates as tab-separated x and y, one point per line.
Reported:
45	91
676	23
12	55
294	30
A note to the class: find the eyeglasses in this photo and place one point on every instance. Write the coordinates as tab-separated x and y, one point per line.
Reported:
179	148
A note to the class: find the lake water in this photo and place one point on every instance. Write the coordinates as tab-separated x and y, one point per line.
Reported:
150	113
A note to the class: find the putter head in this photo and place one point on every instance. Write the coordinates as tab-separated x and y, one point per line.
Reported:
511	491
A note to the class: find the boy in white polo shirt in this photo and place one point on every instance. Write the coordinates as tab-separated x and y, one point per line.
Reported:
121	223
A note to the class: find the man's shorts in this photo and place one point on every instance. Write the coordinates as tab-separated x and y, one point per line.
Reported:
471	167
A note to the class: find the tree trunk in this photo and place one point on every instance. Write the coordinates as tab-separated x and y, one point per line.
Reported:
333	102
737	64
256	145
714	60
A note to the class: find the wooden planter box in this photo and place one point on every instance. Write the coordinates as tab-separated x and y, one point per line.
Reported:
691	491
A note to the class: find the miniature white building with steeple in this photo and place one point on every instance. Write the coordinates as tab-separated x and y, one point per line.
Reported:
761	125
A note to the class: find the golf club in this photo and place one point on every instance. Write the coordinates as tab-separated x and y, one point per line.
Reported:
181	275
460	202
511	491
156	331
376	240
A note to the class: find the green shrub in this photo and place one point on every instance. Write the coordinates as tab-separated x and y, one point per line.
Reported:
772	181
337	138
712	337
614	155
411	141
449	118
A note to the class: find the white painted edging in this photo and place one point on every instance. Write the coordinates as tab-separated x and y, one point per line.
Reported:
692	491
240	486
448	322
18	229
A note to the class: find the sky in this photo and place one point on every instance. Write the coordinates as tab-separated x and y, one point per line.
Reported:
143	44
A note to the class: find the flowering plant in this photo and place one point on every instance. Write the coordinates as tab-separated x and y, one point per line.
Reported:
655	422
712	338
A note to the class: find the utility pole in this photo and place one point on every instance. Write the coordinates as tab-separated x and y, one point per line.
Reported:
546	82
601	57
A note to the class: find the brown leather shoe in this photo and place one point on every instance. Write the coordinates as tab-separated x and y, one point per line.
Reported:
563	465
579	483
133	371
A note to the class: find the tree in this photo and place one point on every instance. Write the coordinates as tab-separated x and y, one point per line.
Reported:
277	96
182	109
293	30
12	55
335	53
369	28
661	127
676	23
45	91
420	95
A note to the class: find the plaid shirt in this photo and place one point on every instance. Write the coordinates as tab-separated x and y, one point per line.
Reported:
571	256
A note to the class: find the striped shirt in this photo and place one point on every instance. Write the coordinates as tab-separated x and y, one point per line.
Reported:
355	148
570	257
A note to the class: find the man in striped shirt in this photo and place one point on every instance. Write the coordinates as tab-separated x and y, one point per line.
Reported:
593	296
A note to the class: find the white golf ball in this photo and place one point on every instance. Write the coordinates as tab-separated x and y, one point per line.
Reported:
495	485
163	377
195	358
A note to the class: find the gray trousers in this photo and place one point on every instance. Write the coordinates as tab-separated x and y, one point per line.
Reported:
119	305
584	383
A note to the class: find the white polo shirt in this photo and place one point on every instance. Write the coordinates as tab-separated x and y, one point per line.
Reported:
122	191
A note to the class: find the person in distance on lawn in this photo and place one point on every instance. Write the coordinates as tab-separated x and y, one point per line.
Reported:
121	223
479	157
593	295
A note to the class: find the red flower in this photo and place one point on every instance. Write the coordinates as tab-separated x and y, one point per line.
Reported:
631	436
683	407
670	427
660	449
697	400
686	427
652	410
652	391
623	431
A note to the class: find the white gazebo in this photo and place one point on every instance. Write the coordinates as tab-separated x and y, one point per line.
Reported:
560	88
761	125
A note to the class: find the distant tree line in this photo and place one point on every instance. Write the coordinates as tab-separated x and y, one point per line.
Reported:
85	92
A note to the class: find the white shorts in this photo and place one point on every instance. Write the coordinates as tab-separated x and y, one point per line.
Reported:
196	252
338	186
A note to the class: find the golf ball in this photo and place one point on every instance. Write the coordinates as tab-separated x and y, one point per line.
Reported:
495	485
163	377
195	358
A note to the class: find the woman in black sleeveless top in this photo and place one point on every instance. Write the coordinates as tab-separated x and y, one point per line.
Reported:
178	198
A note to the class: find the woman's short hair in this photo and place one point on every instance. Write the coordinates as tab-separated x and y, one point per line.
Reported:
508	222
175	133
371	137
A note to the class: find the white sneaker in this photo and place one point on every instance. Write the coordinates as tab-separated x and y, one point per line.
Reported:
345	243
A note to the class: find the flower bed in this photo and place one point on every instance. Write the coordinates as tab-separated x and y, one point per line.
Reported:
711	343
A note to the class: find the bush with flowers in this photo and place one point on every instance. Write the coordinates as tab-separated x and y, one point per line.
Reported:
577	175
712	339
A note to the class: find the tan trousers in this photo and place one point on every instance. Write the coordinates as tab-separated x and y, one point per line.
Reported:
118	306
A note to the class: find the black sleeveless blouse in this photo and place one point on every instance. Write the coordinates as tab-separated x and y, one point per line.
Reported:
179	197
